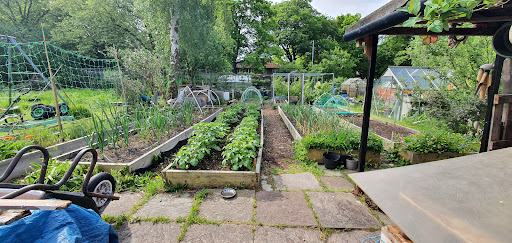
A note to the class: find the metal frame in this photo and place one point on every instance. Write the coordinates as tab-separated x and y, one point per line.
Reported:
302	75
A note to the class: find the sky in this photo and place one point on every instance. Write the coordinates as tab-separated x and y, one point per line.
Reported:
334	8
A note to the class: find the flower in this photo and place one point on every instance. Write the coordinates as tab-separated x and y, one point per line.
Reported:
29	136
8	138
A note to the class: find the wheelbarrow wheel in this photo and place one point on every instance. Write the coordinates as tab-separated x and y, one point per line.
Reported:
102	183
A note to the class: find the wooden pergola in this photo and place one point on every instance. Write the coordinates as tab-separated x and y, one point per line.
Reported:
387	20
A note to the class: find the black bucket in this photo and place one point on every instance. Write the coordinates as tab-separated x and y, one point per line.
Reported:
331	160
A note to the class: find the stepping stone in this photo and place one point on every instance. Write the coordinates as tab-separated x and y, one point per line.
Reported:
328	172
283	208
149	232
301	181
237	209
341	210
169	205
288	235
352	236
218	233
124	204
337	183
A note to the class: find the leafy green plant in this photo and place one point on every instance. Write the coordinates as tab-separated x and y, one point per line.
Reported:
343	139
56	171
437	13
241	150
439	142
205	137
9	148
231	114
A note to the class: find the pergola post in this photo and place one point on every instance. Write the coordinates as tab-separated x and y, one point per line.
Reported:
493	89
372	46
333	80
302	82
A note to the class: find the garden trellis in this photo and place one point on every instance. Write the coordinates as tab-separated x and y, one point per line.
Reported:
291	76
23	65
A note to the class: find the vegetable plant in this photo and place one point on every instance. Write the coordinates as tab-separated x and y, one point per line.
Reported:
241	150
439	142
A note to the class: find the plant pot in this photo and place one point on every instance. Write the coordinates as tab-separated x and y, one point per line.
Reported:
331	160
352	163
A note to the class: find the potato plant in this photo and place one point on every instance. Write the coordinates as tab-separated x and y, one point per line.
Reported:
205	137
241	149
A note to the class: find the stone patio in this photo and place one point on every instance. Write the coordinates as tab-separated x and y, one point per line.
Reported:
254	216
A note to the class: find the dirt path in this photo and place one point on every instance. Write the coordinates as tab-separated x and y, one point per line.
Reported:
278	151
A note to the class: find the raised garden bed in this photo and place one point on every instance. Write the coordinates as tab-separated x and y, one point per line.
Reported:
418	158
317	155
295	134
217	178
67	150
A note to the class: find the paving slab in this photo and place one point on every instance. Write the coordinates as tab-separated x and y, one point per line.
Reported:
170	205
300	181
149	232
218	233
337	183
351	236
328	172
283	208
124	204
288	235
237	209
341	210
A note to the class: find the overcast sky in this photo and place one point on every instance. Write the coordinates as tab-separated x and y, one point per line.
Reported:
334	8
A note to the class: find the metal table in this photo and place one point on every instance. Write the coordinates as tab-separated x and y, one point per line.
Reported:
464	199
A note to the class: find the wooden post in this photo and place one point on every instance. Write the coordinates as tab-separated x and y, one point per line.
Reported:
120	78
371	44
9	72
54	88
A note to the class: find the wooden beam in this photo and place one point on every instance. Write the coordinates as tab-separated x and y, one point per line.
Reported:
502	99
423	31
34	204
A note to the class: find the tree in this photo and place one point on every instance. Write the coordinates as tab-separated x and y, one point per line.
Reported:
392	52
336	61
253	21
91	26
299	24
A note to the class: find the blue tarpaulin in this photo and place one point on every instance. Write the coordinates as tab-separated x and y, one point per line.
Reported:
74	224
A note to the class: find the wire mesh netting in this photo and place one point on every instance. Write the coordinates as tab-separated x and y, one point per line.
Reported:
24	65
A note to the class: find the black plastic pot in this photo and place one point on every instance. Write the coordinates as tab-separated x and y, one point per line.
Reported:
331	160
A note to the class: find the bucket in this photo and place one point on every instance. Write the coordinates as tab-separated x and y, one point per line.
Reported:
331	160
352	163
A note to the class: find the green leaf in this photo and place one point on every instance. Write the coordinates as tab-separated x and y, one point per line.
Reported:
411	21
416	7
436	26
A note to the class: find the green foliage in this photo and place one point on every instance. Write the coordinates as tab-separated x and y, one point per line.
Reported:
9	148
437	13
203	140
439	142
79	112
342	139
231	114
242	146
308	121
56	171
393	156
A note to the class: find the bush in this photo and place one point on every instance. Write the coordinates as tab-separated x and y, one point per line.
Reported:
439	142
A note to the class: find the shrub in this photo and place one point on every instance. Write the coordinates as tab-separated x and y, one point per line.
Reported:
439	142
344	139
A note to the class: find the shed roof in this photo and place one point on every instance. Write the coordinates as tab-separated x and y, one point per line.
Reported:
354	81
407	76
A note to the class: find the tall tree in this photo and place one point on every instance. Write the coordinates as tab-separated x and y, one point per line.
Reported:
253	21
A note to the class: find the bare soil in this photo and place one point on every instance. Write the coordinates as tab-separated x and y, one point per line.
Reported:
139	145
278	146
381	128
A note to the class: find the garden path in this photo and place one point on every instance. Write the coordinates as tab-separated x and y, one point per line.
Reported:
277	152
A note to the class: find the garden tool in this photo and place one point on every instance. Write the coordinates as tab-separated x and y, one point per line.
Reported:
484	79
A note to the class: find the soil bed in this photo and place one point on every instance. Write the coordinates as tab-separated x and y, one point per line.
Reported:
138	145
213	161
380	128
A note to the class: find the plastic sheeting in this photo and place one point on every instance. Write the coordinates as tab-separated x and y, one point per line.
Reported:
74	224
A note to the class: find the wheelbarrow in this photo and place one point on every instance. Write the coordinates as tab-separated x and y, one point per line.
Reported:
97	191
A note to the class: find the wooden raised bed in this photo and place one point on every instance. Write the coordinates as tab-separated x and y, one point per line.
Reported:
372	158
216	178
418	158
69	149
293	131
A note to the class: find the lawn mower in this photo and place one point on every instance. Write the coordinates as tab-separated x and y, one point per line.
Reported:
97	191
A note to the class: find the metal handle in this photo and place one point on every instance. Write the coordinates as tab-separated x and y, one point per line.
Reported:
17	158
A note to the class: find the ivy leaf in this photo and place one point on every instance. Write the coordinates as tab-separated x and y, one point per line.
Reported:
411	21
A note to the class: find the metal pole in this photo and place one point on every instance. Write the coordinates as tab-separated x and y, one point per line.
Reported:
9	71
312	54
120	77
288	88
495	85
302	82
333	80
54	88
273	94
368	102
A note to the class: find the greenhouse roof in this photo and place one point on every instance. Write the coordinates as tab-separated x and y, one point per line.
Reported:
407	77
354	81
